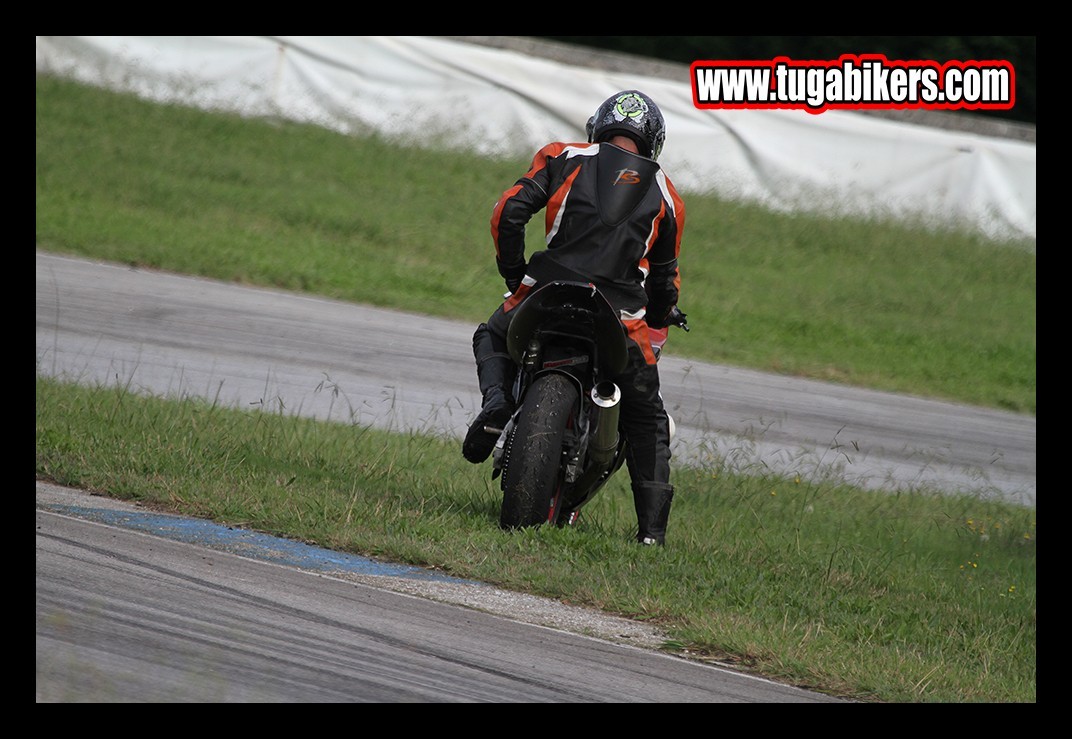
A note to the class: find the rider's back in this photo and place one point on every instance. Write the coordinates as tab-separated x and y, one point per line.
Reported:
607	210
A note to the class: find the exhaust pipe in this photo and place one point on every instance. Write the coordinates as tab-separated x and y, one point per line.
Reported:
603	444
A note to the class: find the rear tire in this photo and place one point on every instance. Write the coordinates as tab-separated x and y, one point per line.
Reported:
534	467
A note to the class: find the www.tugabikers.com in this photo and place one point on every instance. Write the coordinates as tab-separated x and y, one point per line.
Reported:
853	81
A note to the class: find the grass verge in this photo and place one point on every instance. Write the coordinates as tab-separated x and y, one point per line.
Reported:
898	598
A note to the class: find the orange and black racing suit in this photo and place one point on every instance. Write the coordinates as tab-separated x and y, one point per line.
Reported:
612	218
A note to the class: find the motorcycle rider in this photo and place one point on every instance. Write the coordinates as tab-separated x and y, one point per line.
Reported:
614	219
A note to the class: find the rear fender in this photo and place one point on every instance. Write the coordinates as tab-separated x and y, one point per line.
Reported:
569	310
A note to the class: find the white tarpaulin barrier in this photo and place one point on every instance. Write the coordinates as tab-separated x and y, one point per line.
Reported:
499	102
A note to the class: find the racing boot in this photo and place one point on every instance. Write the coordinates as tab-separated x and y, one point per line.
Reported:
652	501
495	374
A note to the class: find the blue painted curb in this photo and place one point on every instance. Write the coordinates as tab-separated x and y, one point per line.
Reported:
249	544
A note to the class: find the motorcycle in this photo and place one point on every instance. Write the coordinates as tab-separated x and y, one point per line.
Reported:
562	445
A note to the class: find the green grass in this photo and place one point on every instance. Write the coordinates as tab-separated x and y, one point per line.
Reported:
906	597
368	220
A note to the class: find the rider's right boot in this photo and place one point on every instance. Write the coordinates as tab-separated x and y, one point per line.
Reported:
495	412
495	373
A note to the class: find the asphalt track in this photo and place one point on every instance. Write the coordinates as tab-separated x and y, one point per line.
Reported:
248	347
138	607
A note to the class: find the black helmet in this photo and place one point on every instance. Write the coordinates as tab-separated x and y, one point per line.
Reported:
634	114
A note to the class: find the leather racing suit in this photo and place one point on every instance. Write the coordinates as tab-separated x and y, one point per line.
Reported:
612	218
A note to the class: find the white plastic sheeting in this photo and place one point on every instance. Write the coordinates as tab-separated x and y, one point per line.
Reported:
498	102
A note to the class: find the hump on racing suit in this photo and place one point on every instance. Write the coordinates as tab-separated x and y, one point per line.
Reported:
622	181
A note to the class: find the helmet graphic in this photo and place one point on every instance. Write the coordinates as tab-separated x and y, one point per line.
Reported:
634	114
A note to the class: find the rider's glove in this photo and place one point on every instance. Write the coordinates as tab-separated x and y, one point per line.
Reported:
677	318
661	318
512	274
